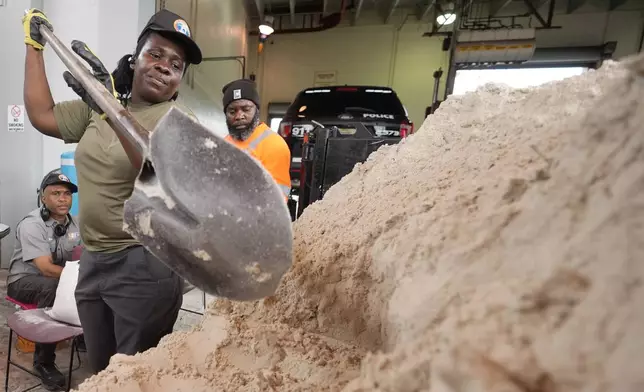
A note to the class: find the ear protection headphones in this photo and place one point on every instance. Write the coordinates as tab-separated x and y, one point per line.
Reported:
59	228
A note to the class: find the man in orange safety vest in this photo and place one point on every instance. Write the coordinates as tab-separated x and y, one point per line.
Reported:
241	106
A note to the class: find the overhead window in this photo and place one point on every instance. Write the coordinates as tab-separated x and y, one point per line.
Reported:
275	123
470	79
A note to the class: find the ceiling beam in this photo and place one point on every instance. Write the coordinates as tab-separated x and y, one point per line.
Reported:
573	5
390	9
284	9
424	11
615	3
356	12
498	5
252	10
535	12
291	5
260	8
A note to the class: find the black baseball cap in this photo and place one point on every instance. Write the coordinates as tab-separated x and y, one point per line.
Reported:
58	179
170	24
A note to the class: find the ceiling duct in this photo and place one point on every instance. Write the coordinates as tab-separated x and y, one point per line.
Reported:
494	46
321	24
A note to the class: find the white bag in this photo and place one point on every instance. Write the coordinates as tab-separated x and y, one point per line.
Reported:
64	308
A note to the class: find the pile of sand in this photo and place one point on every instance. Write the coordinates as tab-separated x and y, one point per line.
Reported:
500	248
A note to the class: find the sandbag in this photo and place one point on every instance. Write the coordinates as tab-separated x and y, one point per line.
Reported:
64	308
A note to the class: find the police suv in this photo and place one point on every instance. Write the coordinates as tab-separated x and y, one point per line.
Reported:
357	112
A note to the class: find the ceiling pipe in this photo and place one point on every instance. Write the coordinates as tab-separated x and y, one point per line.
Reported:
260	8
425	11
498	5
356	11
327	22
642	41
390	10
291	4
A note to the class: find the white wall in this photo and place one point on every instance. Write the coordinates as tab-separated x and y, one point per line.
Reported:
20	153
394	55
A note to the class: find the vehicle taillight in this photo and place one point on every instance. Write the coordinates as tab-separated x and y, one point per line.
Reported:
406	129
285	129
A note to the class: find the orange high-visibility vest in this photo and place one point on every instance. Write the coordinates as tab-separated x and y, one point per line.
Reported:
272	151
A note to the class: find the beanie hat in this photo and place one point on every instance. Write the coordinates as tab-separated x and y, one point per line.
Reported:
240	89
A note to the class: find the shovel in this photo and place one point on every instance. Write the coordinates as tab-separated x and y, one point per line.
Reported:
205	208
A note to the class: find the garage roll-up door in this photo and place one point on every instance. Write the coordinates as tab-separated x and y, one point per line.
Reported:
276	109
581	56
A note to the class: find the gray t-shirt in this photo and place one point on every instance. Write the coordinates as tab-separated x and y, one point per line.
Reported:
36	238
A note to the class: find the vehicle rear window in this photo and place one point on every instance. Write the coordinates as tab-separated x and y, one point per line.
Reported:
334	102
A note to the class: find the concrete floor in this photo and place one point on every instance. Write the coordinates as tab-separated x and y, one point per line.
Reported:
19	380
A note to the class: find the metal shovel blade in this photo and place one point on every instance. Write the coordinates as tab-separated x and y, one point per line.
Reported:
210	212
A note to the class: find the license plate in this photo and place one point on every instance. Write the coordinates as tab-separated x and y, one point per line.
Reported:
347	131
382	131
300	130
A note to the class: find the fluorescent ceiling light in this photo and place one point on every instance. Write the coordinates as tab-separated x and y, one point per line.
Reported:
446	19
266	27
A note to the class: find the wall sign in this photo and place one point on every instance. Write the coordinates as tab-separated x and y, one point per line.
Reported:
325	78
16	118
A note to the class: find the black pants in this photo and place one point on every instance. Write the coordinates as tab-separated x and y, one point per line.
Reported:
127	301
42	291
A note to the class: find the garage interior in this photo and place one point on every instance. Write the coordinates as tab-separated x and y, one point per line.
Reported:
441	58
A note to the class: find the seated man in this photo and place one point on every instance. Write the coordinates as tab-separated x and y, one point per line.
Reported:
46	238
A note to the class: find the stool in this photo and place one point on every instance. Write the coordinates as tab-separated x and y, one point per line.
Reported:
21	305
24	306
36	326
23	344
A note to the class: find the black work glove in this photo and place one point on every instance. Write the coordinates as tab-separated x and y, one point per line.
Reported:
98	70
31	22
